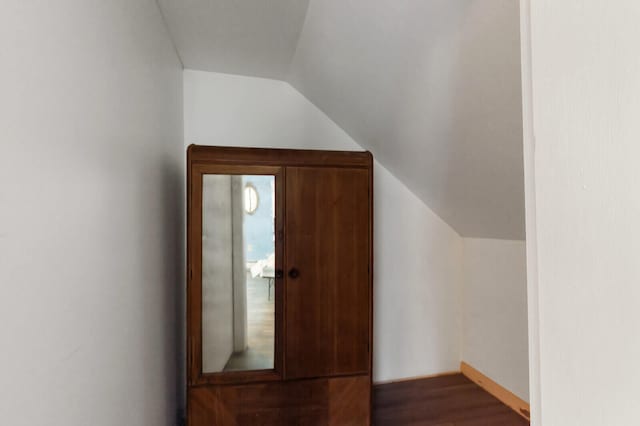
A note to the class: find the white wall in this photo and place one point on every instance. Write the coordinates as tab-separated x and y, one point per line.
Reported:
583	148
91	228
494	306
432	88
232	110
531	231
418	256
418	259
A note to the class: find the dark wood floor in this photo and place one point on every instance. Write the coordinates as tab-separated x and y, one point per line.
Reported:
451	400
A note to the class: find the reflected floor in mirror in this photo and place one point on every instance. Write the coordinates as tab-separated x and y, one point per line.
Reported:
261	326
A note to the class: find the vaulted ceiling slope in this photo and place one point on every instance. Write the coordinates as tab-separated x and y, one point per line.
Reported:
248	37
432	88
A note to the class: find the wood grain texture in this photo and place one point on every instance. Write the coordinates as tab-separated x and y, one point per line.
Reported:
277	157
338	401
410	379
451	400
327	241
504	395
324	221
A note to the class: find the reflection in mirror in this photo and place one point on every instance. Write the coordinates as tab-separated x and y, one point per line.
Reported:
238	272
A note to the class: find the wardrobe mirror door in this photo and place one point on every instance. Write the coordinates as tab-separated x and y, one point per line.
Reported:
238	272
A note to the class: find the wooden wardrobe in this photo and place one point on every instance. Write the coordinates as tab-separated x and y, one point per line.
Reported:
305	300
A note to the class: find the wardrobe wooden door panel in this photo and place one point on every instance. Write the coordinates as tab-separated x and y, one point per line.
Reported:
318	313
327	278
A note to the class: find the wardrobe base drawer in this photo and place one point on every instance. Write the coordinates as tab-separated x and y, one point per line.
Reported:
330	401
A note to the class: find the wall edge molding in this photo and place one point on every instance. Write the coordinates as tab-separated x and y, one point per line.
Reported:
504	395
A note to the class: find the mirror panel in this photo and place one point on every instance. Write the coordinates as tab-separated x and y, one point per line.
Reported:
238	272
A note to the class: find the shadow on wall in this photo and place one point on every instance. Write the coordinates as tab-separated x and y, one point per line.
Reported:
174	284
487	106
465	88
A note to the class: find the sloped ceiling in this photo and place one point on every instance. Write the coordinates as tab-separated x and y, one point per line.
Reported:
432	88
249	37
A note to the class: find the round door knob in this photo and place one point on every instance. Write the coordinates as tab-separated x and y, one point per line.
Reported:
294	273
